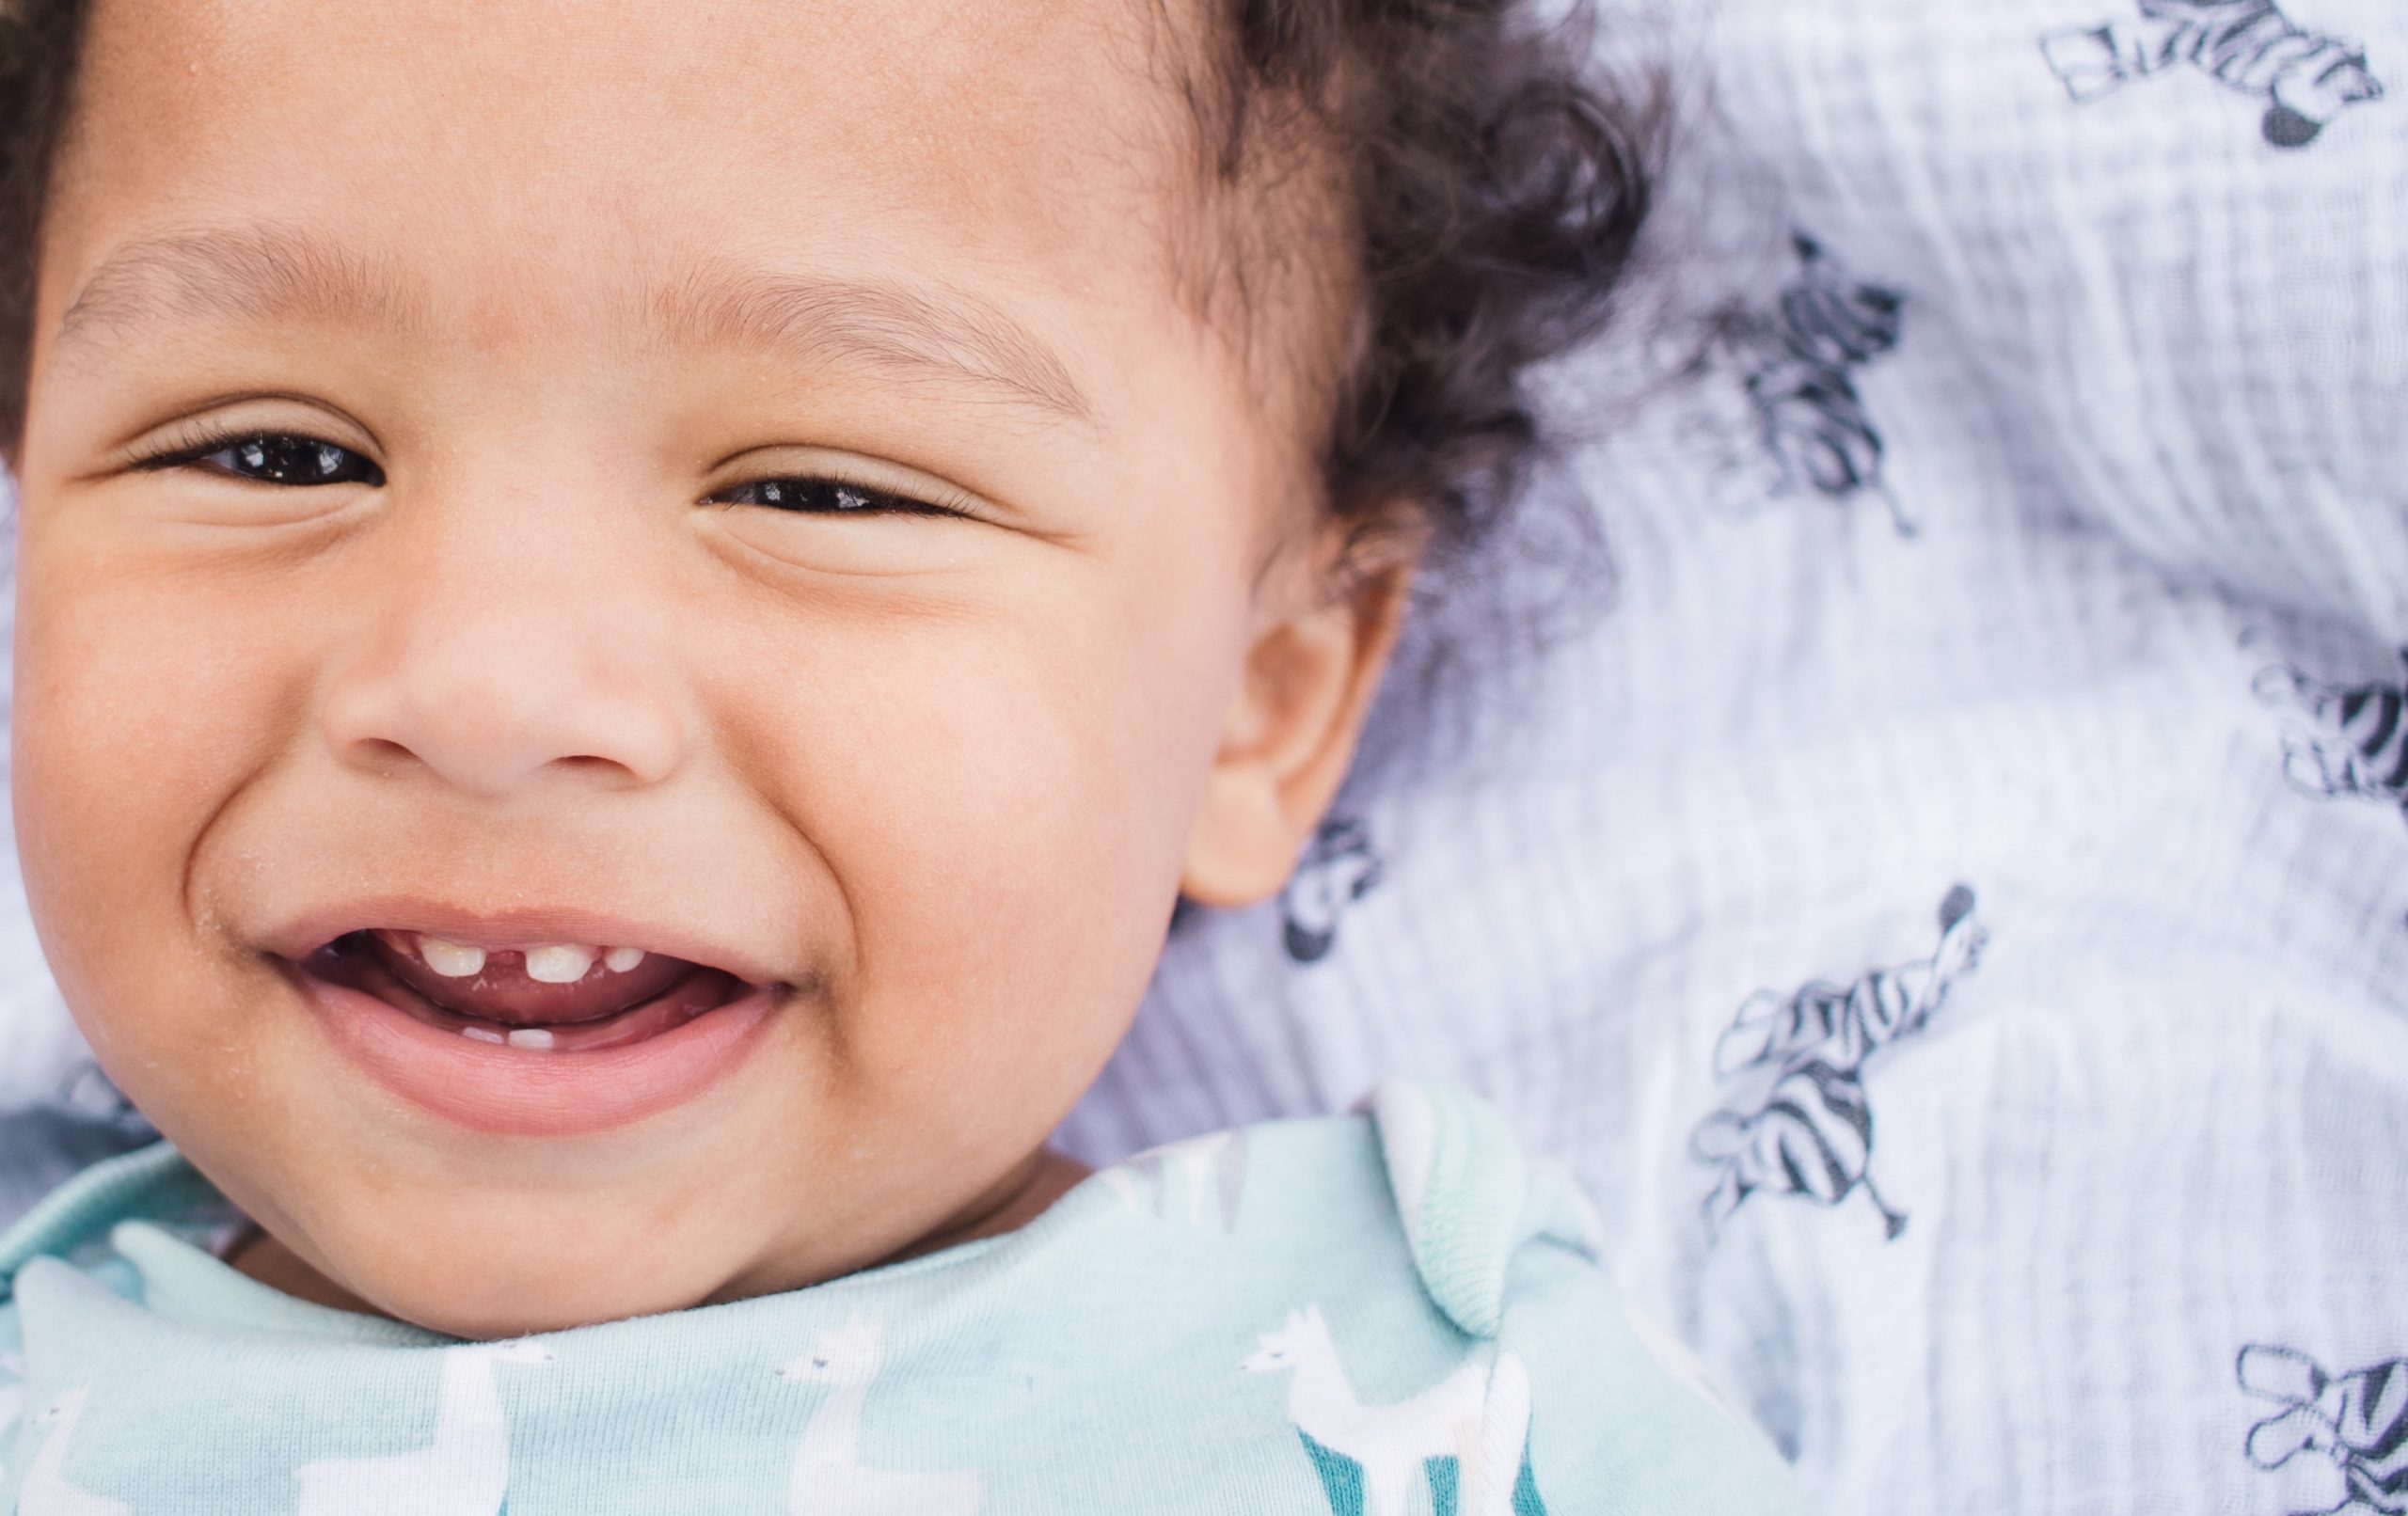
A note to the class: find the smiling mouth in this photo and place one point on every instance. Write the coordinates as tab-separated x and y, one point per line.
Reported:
560	998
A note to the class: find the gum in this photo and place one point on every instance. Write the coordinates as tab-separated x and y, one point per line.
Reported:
694	992
502	993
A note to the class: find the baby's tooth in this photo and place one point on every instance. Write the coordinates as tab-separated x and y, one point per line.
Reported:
562	963
530	1036
482	1033
619	960
450	959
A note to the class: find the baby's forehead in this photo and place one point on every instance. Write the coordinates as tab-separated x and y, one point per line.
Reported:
977	157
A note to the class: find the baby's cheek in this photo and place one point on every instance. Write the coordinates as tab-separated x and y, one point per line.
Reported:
1009	822
1021	839
145	703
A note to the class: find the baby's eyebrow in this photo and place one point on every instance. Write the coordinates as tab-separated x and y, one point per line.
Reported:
261	273
958	336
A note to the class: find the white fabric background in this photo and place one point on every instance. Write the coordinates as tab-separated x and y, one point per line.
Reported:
2145	412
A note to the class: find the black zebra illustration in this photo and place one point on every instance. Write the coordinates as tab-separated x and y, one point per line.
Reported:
1843	1024
1811	1134
1797	362
2356	739
2306	78
2359	1420
1339	868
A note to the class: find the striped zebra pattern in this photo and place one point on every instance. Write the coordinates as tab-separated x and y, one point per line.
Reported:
2356	742
2250	46
1340	868
1796	360
1845	1024
1811	1132
1812	1136
2359	1420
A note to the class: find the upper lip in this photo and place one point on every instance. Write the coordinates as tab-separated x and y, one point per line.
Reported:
514	926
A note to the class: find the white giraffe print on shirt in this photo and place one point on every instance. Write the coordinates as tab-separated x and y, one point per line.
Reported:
12	1405
464	1471
1197	1180
1466	1437
829	1477
47	1492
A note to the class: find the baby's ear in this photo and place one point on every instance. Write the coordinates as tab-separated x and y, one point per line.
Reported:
1310	672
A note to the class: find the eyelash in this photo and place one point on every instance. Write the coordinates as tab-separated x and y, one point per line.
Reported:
851	497
193	446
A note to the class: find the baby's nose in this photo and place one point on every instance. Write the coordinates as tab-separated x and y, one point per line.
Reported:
494	686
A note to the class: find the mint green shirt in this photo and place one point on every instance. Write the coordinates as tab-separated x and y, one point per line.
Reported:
1385	1313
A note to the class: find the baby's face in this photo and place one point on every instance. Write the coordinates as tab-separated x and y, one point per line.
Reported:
738	482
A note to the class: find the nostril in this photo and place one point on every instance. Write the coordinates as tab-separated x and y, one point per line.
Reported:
384	750
589	762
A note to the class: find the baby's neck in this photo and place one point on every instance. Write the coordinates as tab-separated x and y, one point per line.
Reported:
263	1259
1026	1194
1023	1197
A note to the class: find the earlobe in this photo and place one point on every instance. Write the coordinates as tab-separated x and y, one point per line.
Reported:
1291	736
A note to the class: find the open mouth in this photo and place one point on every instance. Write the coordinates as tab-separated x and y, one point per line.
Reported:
506	1028
547	997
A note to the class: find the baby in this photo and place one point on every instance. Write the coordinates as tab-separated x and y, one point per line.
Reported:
633	619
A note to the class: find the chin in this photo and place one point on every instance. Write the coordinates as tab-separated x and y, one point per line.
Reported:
477	1262
524	1291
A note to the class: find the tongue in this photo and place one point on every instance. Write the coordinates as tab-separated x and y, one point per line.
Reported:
502	990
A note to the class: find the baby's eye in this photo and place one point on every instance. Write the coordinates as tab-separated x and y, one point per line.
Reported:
827	497
279	458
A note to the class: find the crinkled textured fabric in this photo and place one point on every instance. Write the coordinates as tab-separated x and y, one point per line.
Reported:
1953	909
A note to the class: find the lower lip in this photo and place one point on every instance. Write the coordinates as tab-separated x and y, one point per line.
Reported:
523	1091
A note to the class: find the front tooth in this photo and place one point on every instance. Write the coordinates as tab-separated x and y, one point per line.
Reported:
482	1033
530	1036
619	960
450	959
560	963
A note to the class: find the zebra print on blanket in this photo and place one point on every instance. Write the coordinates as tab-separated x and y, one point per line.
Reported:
2343	739
1340	868
2306	78
1810	1134
1796	359
2358	1420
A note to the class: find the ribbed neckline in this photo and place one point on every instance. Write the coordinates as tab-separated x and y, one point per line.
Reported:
134	1201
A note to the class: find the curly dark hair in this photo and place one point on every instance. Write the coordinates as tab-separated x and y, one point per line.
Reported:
1492	183
39	42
